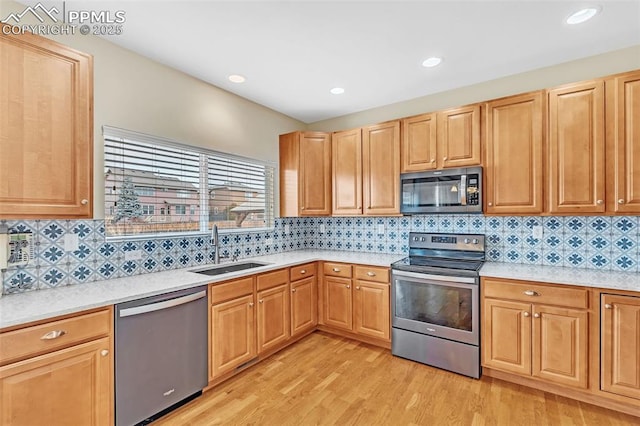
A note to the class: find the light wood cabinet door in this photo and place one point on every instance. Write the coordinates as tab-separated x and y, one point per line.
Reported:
419	143
273	317
506	336
71	386
381	169
337	301
304	302
305	174
46	129
514	147
576	149
560	346
233	340
346	148
623	145
371	308
620	333
459	137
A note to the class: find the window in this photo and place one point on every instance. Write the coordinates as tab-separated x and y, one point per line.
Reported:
184	189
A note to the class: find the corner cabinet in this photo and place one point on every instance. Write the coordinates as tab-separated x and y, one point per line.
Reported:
514	149
305	174
46	136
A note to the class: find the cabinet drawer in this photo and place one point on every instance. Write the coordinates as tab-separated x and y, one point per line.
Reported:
230	290
533	292
272	279
372	273
302	271
337	269
54	335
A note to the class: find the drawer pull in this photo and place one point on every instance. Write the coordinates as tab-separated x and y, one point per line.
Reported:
371	274
536	315
104	352
348	286
608	306
336	269
303	271
526	314
251	304
54	334
357	287
293	290
531	293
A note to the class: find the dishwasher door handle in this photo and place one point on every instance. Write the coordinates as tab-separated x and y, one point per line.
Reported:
162	305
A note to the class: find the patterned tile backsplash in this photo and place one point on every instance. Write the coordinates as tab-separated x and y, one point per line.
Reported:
596	242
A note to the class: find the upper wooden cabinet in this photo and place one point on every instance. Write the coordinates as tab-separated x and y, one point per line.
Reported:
381	169
449	138
46	129
459	136
623	143
576	148
514	146
419	147
366	170
305	174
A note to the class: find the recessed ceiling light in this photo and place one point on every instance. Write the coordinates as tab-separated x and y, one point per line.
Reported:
582	15
337	90
431	62
235	78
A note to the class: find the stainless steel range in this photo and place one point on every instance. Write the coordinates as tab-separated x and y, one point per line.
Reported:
435	302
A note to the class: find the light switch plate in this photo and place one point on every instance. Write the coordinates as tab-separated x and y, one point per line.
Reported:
537	232
286	229
380	229
322	228
71	242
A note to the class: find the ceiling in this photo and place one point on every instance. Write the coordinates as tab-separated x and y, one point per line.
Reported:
293	53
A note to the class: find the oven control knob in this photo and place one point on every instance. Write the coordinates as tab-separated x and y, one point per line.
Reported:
467	241
423	239
475	241
415	238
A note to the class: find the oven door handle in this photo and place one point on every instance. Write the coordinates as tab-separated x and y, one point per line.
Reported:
431	277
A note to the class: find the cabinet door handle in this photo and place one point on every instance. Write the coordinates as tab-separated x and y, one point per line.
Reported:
490	204
371	274
348	286
54	334
621	201
304	271
531	293
261	301
444	158
301	208
251	304
608	306
600	202
526	314
84	202
357	287
336	269
104	352
433	160
293	290
536	315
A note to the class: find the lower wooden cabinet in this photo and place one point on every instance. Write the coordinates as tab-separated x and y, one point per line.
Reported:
338	303
371	309
620	345
273	317
304	303
533	339
69	383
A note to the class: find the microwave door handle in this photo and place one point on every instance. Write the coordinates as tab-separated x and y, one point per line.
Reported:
463	190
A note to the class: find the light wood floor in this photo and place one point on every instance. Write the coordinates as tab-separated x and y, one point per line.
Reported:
328	380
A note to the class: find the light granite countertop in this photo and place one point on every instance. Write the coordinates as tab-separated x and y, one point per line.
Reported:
563	275
17	309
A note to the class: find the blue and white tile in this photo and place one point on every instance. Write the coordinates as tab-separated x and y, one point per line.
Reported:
80	273
19	280
476	224
513	255
461	224
52	231
431	223
512	240
445	223
531	243
529	222
494	224
53	277
624	225
513	224
552	225
531	256
51	254
574	259
552	256
623	261
575	224
597	225
21	226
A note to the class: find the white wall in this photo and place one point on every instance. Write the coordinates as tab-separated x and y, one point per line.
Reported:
568	72
136	93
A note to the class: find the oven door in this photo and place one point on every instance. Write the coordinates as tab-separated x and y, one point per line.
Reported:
437	305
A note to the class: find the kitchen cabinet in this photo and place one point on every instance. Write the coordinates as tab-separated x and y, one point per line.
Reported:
304	299
623	143
305	174
63	366
514	154
419	144
356	301
273	309
46	138
233	336
366	170
576	167
620	345
536	330
459	137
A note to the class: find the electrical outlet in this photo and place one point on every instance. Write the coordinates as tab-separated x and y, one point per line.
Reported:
322	228
287	228
537	232
133	255
71	242
380	229
268	241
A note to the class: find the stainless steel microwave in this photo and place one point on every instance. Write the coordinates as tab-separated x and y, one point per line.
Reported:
442	191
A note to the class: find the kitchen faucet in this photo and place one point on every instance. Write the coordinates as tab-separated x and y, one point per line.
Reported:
215	241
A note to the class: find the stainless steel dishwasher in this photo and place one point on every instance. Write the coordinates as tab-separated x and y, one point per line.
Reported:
161	354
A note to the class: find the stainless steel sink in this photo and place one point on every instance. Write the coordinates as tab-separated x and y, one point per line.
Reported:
230	267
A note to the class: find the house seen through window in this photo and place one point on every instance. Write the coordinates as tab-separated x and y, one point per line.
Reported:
155	186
